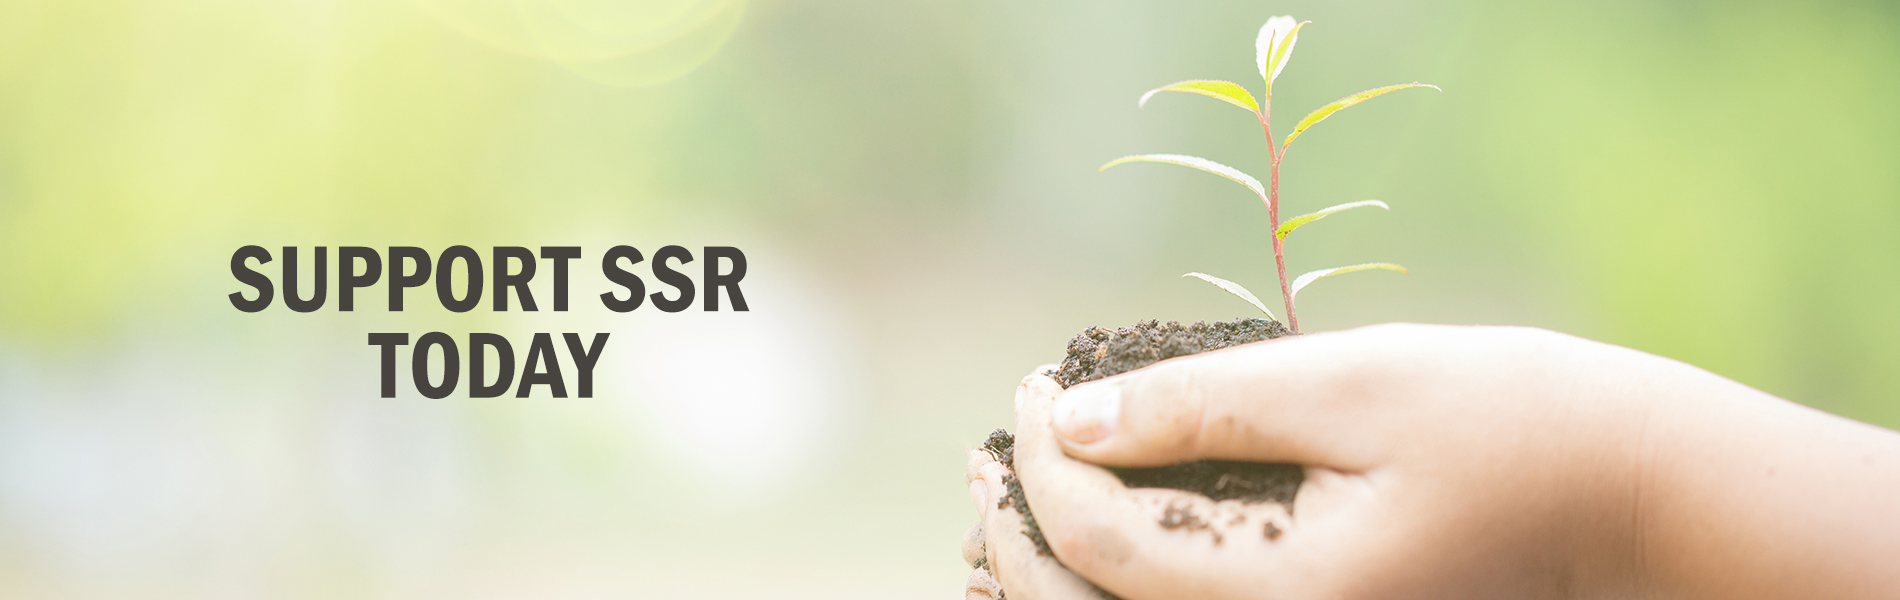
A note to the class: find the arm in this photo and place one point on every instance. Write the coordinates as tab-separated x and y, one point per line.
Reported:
1744	495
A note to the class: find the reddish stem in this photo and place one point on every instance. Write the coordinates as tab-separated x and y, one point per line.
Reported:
1273	211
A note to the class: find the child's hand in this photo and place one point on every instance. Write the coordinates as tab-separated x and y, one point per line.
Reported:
1002	558
1462	462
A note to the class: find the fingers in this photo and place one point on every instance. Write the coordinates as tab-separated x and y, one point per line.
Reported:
1011	558
982	586
977	459
1145	544
973	545
1315	400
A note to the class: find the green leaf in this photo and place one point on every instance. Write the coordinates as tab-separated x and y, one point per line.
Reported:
1342	103
1296	222
1226	91
1323	273
1198	163
1265	53
1235	289
1284	52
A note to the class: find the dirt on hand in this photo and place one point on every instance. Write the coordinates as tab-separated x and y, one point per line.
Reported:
1097	353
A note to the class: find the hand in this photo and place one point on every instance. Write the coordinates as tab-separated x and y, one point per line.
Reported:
1462	462
1002	558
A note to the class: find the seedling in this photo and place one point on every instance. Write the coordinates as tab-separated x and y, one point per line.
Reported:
1271	50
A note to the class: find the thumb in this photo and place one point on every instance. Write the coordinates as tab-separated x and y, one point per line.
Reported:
1311	400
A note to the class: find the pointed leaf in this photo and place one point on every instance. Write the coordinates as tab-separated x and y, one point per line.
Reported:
1235	289
1296	222
1337	105
1323	273
1284	51
1198	163
1226	91
1265	45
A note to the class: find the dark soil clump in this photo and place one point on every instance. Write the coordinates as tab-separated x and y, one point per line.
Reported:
1222	480
1002	445
1097	353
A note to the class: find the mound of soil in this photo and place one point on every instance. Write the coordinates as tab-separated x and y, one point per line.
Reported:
1096	353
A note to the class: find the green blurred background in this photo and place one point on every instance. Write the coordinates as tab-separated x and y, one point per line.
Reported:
915	184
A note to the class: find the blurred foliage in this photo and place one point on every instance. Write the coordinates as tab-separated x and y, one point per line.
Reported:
1709	181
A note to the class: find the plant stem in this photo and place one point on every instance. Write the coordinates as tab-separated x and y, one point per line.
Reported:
1273	211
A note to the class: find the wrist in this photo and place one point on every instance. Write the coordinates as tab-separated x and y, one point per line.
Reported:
1743	495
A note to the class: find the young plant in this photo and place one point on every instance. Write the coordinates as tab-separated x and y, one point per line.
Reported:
1271	50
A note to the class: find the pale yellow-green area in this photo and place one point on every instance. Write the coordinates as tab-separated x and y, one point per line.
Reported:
915	184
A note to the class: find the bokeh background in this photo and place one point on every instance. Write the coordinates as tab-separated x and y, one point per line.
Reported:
915	185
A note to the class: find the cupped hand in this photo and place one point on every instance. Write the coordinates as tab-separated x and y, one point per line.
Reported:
1001	556
1456	462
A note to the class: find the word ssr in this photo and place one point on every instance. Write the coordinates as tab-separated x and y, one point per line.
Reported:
509	268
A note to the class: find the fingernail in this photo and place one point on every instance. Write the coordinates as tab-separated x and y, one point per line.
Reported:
1088	414
980	494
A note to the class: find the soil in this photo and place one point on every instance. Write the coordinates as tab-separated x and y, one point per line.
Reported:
1096	353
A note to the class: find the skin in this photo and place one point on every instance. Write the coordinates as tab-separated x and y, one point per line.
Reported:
1446	462
1009	561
